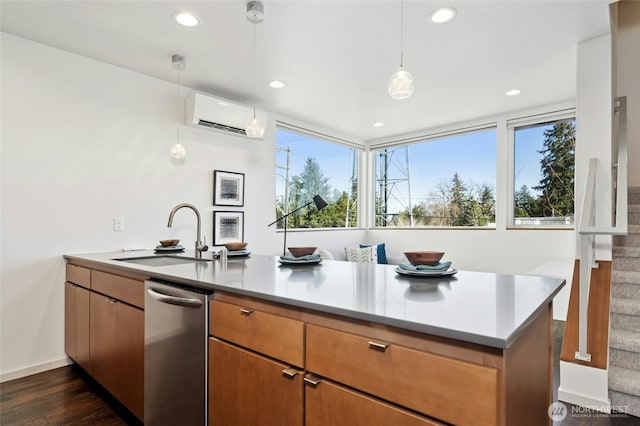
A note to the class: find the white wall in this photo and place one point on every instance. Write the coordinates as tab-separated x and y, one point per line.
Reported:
82	143
504	251
593	133
628	70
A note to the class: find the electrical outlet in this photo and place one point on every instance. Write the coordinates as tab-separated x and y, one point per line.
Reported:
118	223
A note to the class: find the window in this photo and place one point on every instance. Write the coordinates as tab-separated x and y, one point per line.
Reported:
544	173
447	181
307	165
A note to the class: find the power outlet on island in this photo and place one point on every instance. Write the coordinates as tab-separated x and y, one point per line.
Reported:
118	223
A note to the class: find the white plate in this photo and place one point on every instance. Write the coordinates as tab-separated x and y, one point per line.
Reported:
238	253
170	248
446	273
299	262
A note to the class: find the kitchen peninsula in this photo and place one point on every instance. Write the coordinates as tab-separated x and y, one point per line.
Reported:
340	342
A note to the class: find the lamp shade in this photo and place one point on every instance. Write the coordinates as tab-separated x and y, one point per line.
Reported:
319	202
401	84
254	129
178	152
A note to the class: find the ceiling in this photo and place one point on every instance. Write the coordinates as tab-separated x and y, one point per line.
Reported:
337	56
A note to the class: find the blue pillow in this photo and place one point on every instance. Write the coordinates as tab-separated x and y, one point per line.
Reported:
382	253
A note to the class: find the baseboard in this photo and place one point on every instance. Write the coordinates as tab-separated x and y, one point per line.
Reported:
584	386
34	369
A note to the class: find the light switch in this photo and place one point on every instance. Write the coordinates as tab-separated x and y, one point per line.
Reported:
118	223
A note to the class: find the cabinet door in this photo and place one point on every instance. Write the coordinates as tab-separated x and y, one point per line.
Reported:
246	389
117	350
330	404
76	324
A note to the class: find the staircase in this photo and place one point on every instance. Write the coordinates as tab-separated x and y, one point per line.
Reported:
624	337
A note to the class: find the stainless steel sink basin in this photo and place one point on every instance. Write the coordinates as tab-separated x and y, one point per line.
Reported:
161	260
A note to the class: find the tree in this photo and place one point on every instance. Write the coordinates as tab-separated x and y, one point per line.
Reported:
459	198
526	205
557	168
439	206
304	187
487	203
314	182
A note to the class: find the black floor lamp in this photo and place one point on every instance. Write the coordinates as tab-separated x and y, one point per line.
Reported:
317	200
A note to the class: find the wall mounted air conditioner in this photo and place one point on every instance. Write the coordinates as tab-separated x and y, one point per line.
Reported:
207	112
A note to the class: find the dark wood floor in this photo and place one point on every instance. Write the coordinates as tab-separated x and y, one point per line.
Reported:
67	396
63	396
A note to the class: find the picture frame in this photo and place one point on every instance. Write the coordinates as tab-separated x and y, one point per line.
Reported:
228	226
228	188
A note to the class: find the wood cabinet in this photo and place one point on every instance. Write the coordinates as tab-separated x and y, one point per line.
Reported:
104	331
117	350
255	375
362	373
246	388
76	324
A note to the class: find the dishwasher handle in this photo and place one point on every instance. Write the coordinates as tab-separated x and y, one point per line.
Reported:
174	300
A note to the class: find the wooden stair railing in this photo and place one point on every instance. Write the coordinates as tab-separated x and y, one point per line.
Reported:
597	317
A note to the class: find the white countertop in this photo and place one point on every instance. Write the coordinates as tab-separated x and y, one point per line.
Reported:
478	307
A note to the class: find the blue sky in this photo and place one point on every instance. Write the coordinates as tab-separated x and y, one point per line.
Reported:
334	159
528	141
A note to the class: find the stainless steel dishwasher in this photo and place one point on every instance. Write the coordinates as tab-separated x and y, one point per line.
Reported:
175	354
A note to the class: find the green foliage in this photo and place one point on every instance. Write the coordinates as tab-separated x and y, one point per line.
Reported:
340	212
525	204
452	203
558	170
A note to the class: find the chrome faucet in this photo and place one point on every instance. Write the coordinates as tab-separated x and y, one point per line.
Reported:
200	246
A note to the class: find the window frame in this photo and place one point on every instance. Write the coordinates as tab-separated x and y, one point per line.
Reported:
522	122
421	138
359	150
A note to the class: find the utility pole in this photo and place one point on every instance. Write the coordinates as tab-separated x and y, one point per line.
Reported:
393	185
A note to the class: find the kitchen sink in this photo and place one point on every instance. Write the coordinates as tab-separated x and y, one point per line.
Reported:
161	260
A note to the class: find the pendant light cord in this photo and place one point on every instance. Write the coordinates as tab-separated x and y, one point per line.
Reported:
401	32
178	93
254	70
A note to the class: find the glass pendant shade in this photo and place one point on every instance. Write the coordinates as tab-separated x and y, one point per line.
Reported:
401	84
254	129
178	152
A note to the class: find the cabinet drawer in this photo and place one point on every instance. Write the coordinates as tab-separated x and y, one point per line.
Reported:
450	390
121	288
329	404
269	334
79	275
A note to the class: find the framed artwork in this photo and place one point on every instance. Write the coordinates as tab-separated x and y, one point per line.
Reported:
227	227
228	188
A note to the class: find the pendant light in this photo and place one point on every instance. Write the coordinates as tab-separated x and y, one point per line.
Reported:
177	151
255	15
401	84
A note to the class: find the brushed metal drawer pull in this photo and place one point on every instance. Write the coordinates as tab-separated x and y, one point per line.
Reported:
312	380
110	300
290	372
378	346
246	311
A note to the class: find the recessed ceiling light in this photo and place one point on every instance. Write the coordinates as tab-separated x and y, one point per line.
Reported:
443	15
277	84
378	124
513	92
186	19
